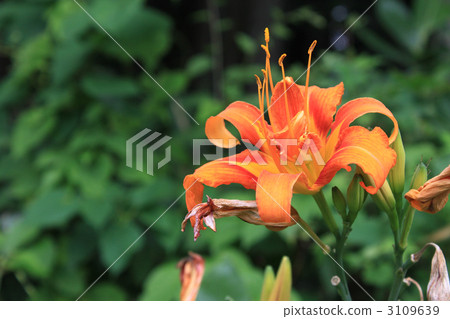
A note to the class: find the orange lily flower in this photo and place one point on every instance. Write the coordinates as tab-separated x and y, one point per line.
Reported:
306	115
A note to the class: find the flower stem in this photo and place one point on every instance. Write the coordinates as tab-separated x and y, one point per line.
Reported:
344	291
399	274
326	213
341	238
313	235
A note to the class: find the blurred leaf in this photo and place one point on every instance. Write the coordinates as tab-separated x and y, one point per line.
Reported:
36	260
96	212
108	86
19	234
114	240
246	43
163	283
73	51
51	209
105	292
145	36
230	275
32	57
31	129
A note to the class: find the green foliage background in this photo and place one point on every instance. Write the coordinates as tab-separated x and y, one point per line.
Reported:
70	98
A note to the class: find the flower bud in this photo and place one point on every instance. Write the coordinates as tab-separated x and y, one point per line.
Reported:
384	199
269	281
339	201
356	196
397	173
420	176
191	275
283	283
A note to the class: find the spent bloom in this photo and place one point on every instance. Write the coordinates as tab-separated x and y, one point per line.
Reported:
323	143
432	196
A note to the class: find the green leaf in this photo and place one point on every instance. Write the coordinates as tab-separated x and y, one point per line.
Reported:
30	131
114	241
163	283
96	212
105	292
230	275
246	43
73	51
37	260
18	235
102	85
146	37
67	21
51	209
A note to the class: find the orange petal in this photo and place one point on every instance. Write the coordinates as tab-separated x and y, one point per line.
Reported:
368	149
194	194
354	109
298	125
242	115
194	191
243	168
273	196
277	109
322	106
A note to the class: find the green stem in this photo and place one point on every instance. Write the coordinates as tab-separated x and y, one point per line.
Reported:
399	274
326	213
313	235
340	242
344	291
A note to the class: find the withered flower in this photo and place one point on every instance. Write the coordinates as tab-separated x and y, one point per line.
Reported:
246	210
191	274
439	285
432	196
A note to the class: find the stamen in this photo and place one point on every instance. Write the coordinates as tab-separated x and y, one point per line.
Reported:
266	81
269	72
288	114
260	86
310	50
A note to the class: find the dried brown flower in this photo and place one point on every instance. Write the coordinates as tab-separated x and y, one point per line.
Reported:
432	196
218	208
439	285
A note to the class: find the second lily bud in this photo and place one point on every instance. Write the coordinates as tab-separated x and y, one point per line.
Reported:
397	173
356	196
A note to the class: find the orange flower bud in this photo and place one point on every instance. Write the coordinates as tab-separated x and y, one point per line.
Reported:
191	274
432	196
